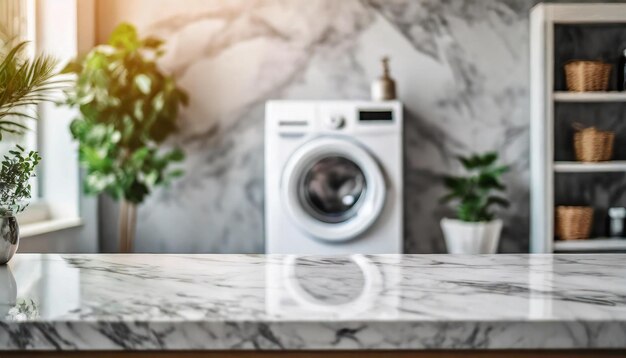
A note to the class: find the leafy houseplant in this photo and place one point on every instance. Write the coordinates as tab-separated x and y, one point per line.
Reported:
23	83
128	108
476	231
475	192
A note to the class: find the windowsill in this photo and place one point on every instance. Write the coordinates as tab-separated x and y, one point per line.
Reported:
48	226
37	219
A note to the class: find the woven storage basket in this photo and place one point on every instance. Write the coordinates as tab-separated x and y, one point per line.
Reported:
573	222
585	76
593	145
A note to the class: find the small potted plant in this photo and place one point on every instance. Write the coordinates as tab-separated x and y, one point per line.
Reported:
24	82
475	231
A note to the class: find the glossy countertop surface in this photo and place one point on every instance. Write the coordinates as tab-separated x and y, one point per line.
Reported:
312	302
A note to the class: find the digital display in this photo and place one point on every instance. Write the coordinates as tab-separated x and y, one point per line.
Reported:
373	115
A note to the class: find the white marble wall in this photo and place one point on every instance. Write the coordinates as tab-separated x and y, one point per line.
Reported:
461	67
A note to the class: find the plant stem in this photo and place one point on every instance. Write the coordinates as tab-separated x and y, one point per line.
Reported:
132	215
128	214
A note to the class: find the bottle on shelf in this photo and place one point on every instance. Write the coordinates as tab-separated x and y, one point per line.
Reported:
621	71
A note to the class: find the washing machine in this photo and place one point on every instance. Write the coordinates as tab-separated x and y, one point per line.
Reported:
333	177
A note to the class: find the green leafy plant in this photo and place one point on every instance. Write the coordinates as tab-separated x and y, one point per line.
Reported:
475	192
15	174
24	83
128	108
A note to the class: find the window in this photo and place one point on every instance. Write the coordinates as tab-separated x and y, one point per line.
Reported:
17	24
52	27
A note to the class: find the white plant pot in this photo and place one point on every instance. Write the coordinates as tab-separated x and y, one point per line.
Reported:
464	237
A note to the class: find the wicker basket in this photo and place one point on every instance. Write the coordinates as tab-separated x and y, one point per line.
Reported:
573	222
593	145
585	76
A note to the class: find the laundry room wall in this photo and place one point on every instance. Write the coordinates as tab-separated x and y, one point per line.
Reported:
461	68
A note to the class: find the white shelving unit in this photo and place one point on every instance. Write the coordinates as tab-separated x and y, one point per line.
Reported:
543	97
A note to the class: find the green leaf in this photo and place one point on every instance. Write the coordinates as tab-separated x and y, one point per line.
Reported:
487	159
453	182
489	181
124	36
176	155
143	83
497	171
152	178
176	173
467	162
152	42
141	154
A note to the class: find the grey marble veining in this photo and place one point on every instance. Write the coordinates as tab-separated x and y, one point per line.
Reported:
461	69
462	72
131	302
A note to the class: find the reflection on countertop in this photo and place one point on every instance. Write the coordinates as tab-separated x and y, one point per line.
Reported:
312	302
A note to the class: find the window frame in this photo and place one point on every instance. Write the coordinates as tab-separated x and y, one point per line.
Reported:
63	29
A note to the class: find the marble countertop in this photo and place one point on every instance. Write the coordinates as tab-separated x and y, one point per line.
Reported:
70	302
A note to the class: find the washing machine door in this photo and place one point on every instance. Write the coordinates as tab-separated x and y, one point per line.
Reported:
333	189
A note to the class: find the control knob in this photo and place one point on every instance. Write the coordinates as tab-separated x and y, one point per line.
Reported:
336	122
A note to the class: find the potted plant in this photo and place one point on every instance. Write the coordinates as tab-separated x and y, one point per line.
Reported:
23	83
475	231
127	108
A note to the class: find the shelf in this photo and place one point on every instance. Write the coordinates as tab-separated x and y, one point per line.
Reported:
600	244
580	167
582	97
553	109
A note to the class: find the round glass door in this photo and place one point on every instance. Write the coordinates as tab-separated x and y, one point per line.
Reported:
333	188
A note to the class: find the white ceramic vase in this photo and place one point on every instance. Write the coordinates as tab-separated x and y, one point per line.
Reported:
464	237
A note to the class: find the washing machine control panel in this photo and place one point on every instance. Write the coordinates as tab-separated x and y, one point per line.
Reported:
351	118
291	119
